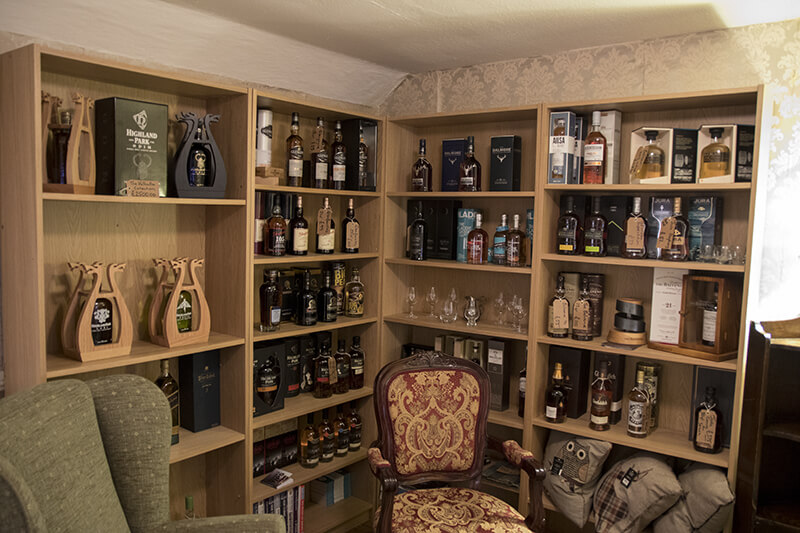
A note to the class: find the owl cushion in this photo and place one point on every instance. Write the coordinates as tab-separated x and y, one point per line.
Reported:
633	493
573	465
705	505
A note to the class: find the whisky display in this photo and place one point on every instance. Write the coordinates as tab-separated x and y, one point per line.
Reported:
339	277
558	312
561	162
652	373
363	160
326	228
599	419
292	373
634	243
515	245
306	312
327	438
356	364
294	154
709	335
470	170
715	159
649	159
276	233
582	314
595	231
499	241
417	238
338	159
298	231
354	295
341	432
324	370
506	163
594	153
327	300
270	300
342	359
319	157
354	421
556	398
351	234
568	230
708	428
638	408
309	444
673	238
422	171
477	243
169	387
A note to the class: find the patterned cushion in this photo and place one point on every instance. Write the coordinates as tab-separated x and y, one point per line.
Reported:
434	417
453	510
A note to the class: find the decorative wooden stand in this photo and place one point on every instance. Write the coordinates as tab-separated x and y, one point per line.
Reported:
164	329
80	151
181	176
76	331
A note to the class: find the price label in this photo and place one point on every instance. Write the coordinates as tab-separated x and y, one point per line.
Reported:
582	315
324	221
561	314
634	233
666	234
142	188
706	428
316	140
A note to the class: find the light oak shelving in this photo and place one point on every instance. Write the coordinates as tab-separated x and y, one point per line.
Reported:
289	329
340	517
194	444
306	403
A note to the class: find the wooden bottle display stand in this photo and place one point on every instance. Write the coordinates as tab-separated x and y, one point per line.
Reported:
76	330
164	327
80	164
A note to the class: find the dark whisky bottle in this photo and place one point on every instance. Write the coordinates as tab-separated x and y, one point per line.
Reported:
477	243
319	157
298	231
708	428
679	249
323	366
200	166
354	420
350	230
515	245
558	312
102	321
568	230
418	237
596	231
470	170
523	382
327	300
327	438
342	359
276	232
582	314
356	364
169	387
306	314
422	171
60	145
342	431
183	312
634	242
555	400
339	159
363	159
354	295
309	444
326	240
294	154
600	415
268	381
270	300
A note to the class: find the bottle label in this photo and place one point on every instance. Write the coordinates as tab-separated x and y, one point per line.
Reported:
342	370
259	231
599	420
296	166
328	446
475	251
275	315
277	241
551	412
300	240
338	172
706	432
357	367
321	171
634	233
352	236
636	418
654	157
417	180
324	217
499	249
592	249
101	325
716	156
323	372
312	452
343	441
560	315
582	316
593	155
709	325
355	436
467	181
416	244
332	307
522	384
325	242
183	314
355	304
513	257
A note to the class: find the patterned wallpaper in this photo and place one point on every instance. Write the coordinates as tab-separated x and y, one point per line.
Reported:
739	57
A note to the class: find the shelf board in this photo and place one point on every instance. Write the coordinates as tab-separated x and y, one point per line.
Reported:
301	476
458	326
141	352
306	403
311	258
649	187
663	441
508	418
783	430
643	263
194	444
290	329
456	194
318	519
455	265
316	192
108	199
642	351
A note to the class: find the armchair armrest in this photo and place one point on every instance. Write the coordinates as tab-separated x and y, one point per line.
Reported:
524	460
388	479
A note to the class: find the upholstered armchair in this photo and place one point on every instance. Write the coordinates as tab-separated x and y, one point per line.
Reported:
432	413
94	456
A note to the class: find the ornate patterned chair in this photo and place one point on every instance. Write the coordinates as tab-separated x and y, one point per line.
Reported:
432	413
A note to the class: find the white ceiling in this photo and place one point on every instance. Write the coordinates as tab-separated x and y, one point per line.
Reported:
420	35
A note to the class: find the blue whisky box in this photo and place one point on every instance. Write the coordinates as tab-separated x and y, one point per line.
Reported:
705	223
198	376
453	151
465	224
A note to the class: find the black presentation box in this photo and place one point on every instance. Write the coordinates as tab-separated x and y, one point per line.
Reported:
198	375
273	353
506	163
575	371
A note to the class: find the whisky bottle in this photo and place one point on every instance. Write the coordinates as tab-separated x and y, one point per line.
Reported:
356	364
188	513
323	366
354	295
270	300
200	168
559	157
306	305
294	154
350	230
558	312
342	359
596	231
515	245
327	300
298	231
59	147
319	157
470	170
354	421
523	380
709	336
309	444
169	387
499	241
708	429
339	159
183	314
555	399
327	438
102	321
326	239
418	237
634	242
341	430
638	408
649	159
599	419
675	248
568	230
267	381
475	356
363	159
594	153
477	243
276	232
715	159
582	314
422	171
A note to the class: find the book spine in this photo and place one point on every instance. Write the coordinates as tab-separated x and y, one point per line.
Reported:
302	508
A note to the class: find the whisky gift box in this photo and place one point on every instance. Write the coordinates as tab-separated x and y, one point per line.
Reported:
292	348
499	371
506	163
198	375
350	138
660	209
466	223
663	141
259	458
596	285
610	127
616	373
745	144
615	209
665	306
724	381
580	139
308	352
273	354
469	347
130	144
575	371
710	331
684	155
445	236
705	223
429	208
453	151
740	140
274	456
560	161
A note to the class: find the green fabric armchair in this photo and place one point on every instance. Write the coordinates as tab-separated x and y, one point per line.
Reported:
94	456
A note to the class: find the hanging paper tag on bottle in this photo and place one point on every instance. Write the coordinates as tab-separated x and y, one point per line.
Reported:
324	221
352	237
666	234
634	233
333	371
316	140
706	428
582	316
561	314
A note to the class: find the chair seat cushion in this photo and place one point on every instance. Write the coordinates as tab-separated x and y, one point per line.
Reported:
454	510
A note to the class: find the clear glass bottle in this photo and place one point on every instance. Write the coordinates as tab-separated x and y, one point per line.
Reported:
327	300
418	237
582	311
326	241
600	415
649	159
294	154
499	241
555	400
169	387
323	366
596	231
327	438
309	444
342	359
354	421
298	231
350	230
319	157
341	430
363	160
357	361
470	173
276	232
638	408
354	295
515	245
422	171
568	230
477	243
271	301
679	251
708	424
634	241
558	312
594	153
339	159
306	305
715	159
559	160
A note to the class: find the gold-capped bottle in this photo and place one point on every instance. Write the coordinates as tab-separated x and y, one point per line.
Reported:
309	444
556	398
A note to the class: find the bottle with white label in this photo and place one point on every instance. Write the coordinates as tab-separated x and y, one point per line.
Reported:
270	299
298	231
638	408
556	398
319	157
339	159
594	153
558	153
294	154
710	320
326	240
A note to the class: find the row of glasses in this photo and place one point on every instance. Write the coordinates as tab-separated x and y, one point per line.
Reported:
511	313
721	254
507	313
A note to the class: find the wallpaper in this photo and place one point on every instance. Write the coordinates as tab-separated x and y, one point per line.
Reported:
739	57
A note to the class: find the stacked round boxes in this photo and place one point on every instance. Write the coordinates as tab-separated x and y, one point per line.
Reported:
629	325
